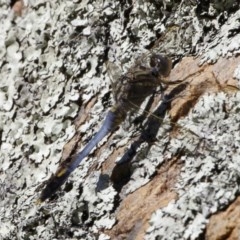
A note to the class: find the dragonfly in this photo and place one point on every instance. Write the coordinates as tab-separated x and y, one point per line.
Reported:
131	89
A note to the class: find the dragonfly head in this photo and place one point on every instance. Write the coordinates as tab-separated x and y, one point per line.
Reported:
161	65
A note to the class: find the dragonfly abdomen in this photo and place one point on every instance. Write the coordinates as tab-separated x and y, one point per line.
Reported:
112	120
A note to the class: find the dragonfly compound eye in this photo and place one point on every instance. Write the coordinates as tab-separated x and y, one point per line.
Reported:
161	64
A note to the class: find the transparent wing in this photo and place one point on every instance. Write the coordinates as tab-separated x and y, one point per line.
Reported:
114	71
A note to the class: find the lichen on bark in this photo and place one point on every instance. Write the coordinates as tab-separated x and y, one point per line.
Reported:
55	90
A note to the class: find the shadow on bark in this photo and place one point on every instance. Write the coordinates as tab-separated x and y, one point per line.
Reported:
122	171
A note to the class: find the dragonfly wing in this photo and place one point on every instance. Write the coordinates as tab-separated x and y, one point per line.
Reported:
114	72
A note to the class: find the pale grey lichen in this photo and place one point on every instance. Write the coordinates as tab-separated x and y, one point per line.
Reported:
51	58
209	177
237	75
224	44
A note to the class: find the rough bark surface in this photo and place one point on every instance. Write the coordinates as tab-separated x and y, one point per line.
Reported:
55	90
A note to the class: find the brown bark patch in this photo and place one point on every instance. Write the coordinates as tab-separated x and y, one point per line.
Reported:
17	7
225	224
136	209
201	80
